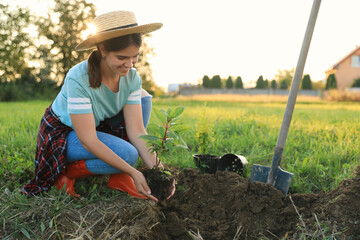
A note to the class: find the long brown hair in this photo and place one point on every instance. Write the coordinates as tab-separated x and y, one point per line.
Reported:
111	45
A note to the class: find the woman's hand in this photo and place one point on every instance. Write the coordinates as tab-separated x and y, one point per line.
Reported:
141	184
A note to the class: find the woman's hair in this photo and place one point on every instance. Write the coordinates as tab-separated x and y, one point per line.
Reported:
111	45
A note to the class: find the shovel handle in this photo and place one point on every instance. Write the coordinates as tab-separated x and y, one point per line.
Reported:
293	92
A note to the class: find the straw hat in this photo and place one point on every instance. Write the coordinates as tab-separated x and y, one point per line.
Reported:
115	24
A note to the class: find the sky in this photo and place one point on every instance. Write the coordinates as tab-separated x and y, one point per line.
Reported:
237	37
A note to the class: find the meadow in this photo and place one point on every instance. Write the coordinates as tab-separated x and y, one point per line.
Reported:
322	149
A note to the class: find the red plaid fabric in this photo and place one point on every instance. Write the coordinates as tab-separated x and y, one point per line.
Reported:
50	150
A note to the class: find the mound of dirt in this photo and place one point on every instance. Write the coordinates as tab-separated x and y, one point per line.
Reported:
221	206
226	206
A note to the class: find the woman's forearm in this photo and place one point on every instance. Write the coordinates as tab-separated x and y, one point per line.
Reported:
144	151
100	150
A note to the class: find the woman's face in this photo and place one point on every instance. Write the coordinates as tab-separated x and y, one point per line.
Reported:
120	62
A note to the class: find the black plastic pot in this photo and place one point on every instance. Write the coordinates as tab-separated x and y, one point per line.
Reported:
206	163
232	163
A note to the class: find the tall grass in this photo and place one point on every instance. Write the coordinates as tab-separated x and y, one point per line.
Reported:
321	148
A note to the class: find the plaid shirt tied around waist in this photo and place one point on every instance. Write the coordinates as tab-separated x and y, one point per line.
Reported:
51	145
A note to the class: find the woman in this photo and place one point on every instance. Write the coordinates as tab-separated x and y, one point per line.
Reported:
83	132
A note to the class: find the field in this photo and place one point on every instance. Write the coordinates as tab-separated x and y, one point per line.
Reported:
322	150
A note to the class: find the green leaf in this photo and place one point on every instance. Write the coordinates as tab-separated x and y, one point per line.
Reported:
42	226
183	145
160	115
162	131
25	232
149	138
167	172
169	146
173	135
177	112
164	113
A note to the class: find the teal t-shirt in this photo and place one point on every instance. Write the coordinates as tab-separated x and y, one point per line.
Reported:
77	97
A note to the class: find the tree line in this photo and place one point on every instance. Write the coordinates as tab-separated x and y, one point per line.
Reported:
37	51
284	79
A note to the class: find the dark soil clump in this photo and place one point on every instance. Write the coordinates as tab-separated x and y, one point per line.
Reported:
160	181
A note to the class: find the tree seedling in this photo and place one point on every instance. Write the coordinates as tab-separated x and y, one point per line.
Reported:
165	136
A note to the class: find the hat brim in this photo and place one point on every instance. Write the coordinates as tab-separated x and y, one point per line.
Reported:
92	41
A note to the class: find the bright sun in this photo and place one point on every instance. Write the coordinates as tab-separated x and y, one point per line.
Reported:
91	29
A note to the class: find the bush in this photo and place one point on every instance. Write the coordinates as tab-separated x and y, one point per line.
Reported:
15	91
273	84
341	96
239	83
284	84
229	83
356	83
331	82
216	82
260	83
206	82
306	82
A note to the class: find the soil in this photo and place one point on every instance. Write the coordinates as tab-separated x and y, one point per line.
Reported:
224	206
160	181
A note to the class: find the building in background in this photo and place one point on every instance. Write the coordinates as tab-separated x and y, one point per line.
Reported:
173	88
346	70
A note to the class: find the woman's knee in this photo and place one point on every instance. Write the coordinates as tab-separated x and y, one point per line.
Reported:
120	147
132	155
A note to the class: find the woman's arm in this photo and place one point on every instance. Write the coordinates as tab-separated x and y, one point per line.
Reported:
134	129
84	126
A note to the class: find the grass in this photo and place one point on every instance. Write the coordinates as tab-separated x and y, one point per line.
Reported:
321	150
321	147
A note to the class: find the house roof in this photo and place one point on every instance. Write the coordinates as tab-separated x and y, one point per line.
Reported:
343	59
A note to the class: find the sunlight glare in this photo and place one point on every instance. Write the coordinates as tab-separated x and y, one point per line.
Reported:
91	30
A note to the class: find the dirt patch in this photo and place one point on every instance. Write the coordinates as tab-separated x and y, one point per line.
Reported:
222	206
225	205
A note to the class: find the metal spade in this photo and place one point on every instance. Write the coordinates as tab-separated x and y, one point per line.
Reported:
274	175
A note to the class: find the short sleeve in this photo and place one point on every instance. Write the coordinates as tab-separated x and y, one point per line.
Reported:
78	101
135	91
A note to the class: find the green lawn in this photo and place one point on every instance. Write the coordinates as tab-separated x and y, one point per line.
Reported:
322	147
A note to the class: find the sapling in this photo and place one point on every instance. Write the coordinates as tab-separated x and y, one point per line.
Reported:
205	161
164	137
204	133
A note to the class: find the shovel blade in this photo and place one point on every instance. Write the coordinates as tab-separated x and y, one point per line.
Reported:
282	178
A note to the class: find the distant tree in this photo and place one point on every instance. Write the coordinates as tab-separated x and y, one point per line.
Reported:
229	82
331	82
239	83
266	83
273	84
284	78
14	42
216	82
206	81
284	84
306	82
63	27
356	83
260	84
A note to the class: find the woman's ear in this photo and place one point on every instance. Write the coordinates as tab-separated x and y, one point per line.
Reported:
102	50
